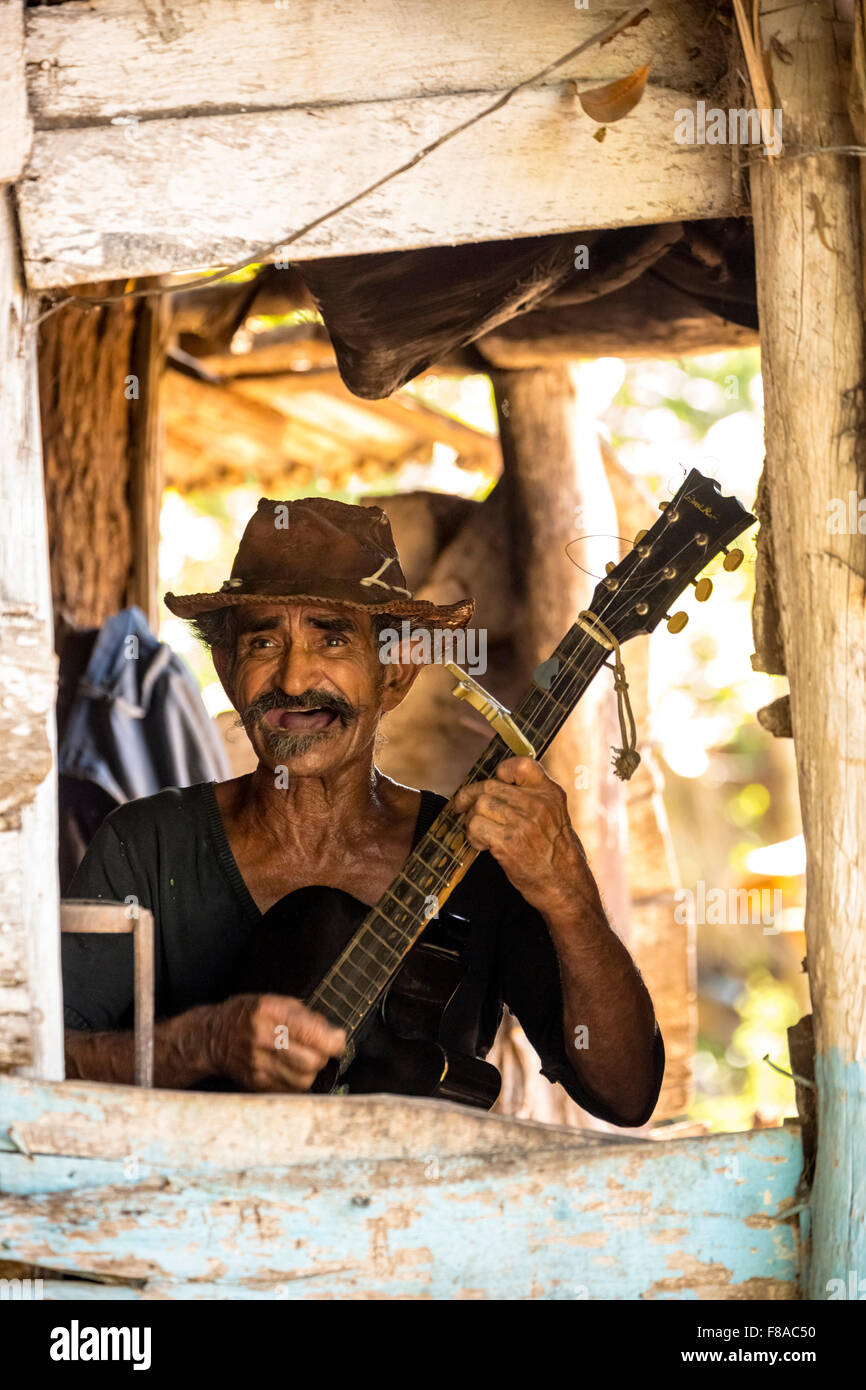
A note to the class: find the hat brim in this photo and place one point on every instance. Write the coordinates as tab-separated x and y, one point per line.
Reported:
451	615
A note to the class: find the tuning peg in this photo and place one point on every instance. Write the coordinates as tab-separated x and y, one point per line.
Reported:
609	567
663	506
639	537
677	622
733	558
703	589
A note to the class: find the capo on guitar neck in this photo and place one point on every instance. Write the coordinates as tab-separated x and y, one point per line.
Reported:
497	716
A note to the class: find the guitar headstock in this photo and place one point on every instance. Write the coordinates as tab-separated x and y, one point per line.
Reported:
696	525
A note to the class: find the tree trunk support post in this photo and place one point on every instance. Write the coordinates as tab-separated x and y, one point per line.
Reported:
808	238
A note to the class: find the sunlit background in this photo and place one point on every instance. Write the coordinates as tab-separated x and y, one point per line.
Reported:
731	793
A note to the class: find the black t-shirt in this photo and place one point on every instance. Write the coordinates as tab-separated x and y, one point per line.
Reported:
170	853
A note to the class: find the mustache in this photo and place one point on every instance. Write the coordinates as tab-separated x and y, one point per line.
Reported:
310	699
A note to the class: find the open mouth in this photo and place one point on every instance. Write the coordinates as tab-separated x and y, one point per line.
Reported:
300	721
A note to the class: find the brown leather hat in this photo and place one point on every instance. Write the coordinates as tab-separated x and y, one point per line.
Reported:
317	550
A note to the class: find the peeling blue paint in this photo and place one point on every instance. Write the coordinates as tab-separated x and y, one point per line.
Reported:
627	1220
839	1189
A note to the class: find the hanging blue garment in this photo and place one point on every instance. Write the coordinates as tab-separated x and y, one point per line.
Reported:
136	724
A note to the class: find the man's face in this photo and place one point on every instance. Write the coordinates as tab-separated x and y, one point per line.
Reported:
308	684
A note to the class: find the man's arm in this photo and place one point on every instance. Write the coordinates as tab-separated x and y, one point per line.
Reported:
263	1042
608	1022
608	1018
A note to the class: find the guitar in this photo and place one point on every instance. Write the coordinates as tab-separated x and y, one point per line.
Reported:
367	969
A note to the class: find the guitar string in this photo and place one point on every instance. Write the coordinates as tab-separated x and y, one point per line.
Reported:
547	731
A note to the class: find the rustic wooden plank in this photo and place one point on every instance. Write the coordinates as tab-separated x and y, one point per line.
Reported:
89	63
95	915
30	1023
16	128
85	1120
187	193
379	1197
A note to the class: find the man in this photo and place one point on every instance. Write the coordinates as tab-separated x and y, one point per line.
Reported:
293	635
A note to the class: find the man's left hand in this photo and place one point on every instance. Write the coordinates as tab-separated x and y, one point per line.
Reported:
521	816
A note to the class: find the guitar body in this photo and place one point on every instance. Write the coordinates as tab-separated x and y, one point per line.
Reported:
398	1050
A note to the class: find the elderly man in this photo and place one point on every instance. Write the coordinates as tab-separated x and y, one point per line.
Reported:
294	639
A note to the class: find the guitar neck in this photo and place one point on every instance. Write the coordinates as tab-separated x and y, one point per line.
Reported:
366	967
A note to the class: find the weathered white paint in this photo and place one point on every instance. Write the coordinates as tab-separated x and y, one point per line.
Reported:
29	930
212	1196
15	126
88	63
106	202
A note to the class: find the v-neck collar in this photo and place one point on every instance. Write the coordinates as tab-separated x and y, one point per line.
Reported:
429	807
226	857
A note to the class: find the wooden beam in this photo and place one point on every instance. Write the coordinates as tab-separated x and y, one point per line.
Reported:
302	348
186	192
646	319
16	127
209	317
31	1030
384	1197
88	65
808	239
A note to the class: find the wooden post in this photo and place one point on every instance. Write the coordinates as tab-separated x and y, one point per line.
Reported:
559	491
100	373
662	944
31	1034
146	452
85	377
808	238
562	487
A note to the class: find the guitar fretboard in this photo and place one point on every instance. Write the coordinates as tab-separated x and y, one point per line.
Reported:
442	856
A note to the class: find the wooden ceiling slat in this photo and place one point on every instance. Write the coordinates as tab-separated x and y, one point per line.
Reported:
88	63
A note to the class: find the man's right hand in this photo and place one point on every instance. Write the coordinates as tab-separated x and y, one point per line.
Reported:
270	1042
